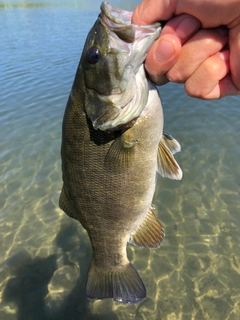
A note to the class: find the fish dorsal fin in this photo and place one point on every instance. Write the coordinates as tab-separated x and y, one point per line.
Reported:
167	165
121	153
172	143
150	233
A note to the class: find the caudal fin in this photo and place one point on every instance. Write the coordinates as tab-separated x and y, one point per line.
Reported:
122	283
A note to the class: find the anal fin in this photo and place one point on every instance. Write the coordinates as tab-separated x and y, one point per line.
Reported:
150	233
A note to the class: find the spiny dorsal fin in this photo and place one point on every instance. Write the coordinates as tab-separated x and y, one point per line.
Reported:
167	165
121	153
150	233
172	143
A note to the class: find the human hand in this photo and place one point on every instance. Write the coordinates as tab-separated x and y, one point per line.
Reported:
198	46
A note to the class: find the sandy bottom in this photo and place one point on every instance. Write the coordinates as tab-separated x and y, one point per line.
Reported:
194	275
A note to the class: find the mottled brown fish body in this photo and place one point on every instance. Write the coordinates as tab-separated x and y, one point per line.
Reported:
110	200
109	193
110	154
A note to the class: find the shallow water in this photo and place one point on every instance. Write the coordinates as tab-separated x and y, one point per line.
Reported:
45	254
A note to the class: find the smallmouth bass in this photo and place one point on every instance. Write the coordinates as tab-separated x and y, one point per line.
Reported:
113	146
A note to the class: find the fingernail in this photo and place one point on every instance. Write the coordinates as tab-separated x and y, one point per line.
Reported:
164	51
187	27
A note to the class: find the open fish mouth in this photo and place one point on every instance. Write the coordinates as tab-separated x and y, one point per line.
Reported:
118	21
115	15
130	44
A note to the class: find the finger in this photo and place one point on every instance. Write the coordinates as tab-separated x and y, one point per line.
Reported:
227	87
234	44
204	83
211	14
200	47
183	26
150	11
165	52
161	57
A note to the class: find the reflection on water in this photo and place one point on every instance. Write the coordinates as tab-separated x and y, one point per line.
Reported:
45	254
92	5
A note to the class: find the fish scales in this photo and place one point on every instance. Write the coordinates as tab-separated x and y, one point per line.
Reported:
104	189
111	153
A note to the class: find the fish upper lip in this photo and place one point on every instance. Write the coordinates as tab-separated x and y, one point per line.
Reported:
107	10
121	16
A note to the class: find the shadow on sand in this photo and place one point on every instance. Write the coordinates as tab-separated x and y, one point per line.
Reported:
28	285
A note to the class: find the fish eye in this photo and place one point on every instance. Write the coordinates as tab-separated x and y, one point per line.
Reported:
93	55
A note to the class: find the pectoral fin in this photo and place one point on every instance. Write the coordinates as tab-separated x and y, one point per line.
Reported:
167	165
172	143
150	233
121	153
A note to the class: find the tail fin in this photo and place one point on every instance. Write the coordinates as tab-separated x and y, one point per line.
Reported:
122	283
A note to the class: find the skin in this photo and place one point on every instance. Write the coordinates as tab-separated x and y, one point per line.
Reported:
199	46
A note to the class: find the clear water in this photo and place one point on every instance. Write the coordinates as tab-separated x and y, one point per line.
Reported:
45	254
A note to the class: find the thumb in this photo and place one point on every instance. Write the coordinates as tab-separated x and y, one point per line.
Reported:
161	57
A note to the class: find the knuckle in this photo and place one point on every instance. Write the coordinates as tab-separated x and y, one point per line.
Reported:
193	92
176	76
211	68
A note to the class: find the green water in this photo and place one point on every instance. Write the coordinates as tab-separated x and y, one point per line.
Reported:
45	254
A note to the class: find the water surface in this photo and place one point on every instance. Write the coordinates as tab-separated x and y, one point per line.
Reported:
45	254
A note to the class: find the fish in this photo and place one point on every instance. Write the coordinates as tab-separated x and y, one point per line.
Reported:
113	148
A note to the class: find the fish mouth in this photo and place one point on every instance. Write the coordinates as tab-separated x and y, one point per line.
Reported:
115	15
130	42
119	22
